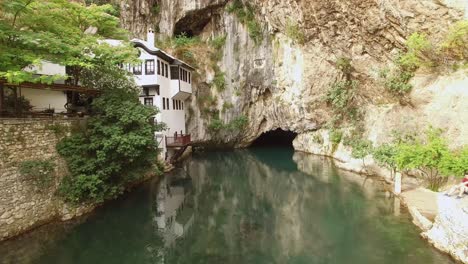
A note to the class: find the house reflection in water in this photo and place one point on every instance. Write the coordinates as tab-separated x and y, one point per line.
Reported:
174	208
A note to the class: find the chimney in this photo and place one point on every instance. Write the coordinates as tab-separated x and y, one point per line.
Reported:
150	37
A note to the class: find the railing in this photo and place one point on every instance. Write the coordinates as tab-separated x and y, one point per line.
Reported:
40	113
178	140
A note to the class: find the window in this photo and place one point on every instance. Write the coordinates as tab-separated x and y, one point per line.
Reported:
182	105
173	104
189	77
149	67
159	67
167	70
149	101
128	67
162	69
164	103
137	69
174	73
167	103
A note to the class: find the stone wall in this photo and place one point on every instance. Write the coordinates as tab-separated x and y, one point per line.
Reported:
25	201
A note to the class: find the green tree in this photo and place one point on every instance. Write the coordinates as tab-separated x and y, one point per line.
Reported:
59	31
118	145
424	155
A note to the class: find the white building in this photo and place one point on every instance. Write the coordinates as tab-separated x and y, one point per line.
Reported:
166	83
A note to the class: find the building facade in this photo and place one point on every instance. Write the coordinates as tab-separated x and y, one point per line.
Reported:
166	83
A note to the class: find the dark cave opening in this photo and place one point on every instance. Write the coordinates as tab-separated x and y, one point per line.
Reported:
275	138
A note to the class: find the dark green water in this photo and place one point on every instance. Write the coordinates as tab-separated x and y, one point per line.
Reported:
252	206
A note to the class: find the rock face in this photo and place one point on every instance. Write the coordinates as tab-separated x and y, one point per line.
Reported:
29	201
280	80
449	231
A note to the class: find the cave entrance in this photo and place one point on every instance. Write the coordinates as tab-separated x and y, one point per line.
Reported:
275	138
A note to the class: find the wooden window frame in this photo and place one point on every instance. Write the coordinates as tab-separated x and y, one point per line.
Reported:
149	67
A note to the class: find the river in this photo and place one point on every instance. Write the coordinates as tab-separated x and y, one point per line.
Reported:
266	205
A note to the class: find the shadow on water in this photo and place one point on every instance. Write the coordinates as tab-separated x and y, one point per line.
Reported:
250	206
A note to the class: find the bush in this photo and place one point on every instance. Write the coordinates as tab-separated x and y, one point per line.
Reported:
397	83
455	44
341	96
219	80
385	156
419	52
40	171
335	137
361	148
294	32
215	126
238	123
118	145
218	42
245	13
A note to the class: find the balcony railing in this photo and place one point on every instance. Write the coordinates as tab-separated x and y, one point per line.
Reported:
178	140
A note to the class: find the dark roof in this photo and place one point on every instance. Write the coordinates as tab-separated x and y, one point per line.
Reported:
163	55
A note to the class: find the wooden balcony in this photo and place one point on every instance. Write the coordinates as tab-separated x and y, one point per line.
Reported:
178	141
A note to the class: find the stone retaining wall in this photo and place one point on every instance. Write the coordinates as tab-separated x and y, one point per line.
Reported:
25	202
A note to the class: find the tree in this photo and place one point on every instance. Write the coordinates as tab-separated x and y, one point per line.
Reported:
118	145
424	155
59	31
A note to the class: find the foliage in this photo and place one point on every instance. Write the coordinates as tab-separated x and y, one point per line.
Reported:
156	9
41	171
397	82
227	106
418	52
361	148
335	137
245	13
344	65
236	125
342	98
118	144
455	44
385	156
218	42
59	130
216	125
32	31
219	80
455	164
15	105
294	32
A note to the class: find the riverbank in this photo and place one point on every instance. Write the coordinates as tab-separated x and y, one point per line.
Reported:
442	220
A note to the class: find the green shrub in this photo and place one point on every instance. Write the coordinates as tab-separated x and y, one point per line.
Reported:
344	65
118	145
218	42
40	171
360	147
385	156
216	125
455	44
227	106
341	95
335	137
418	53
238	123
294	32
245	13
397	83
219	80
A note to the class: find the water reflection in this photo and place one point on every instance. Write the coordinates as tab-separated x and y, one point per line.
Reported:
257	206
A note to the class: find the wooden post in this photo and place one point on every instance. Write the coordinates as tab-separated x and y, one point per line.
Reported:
15	95
397	183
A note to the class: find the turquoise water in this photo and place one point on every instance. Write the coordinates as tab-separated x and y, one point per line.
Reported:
250	206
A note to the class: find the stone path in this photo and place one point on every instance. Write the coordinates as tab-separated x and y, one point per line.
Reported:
428	201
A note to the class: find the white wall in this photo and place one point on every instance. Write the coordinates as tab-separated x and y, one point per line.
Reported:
41	99
47	68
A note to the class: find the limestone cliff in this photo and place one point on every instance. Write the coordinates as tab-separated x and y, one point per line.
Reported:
278	76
